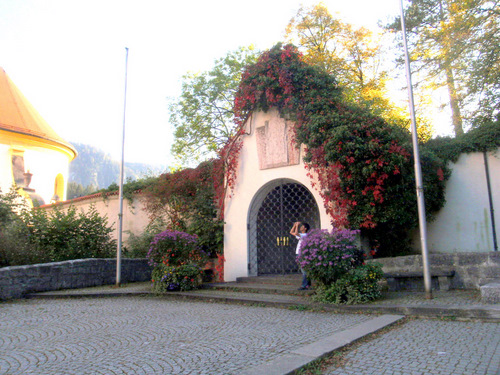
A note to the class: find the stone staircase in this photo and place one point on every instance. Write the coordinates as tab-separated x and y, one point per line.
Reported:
268	284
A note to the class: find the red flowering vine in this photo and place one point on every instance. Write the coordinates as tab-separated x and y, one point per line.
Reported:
361	165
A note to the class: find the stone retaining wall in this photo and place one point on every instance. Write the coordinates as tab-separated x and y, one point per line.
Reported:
472	270
17	281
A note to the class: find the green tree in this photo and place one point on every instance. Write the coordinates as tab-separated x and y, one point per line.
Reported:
203	114
455	44
14	239
76	190
354	56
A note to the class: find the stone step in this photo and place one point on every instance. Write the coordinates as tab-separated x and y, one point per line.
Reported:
282	284
290	279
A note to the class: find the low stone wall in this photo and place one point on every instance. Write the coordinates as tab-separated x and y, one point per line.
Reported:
17	281
472	270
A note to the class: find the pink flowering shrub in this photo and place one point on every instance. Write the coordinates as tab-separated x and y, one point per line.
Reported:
175	248
327	256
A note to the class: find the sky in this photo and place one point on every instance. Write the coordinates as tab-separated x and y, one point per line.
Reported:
68	58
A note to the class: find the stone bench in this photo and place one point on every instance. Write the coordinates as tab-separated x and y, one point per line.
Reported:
414	280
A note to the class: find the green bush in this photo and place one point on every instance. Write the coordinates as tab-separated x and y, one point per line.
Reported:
170	278
70	235
35	236
14	238
137	245
358	285
16	247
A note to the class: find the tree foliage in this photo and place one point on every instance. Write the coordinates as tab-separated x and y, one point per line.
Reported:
76	190
355	57
352	56
203	114
455	44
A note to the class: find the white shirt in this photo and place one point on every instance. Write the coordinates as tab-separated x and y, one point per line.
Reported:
300	237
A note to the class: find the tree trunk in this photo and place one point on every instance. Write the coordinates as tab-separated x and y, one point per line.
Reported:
456	117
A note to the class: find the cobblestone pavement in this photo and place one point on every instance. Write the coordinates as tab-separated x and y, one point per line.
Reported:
428	347
145	335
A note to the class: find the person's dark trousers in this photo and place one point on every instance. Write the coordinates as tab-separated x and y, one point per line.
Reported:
305	281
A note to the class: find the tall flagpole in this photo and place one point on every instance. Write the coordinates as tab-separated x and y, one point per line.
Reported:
418	170
120	199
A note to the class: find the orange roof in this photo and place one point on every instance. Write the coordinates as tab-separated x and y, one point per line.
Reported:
17	115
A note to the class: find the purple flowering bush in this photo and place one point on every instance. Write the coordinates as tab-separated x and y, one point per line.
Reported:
335	261
327	256
177	259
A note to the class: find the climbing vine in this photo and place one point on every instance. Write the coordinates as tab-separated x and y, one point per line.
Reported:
361	165
184	200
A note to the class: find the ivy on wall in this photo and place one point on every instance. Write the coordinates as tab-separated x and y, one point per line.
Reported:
484	138
361	165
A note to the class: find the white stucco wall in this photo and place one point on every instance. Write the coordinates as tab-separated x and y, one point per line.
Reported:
464	224
250	179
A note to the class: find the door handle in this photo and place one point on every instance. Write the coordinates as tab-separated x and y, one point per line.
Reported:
282	241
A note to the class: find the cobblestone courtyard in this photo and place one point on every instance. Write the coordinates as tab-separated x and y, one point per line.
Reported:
151	335
145	335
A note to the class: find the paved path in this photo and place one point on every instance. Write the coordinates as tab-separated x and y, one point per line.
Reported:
143	335
427	347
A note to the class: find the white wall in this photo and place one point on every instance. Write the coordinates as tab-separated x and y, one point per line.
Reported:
464	224
250	179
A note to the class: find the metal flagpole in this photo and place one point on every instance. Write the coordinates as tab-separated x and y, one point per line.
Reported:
120	199
418	170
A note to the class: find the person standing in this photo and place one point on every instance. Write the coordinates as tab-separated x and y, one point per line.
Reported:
299	230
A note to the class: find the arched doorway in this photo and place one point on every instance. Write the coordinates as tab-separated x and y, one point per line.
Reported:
273	211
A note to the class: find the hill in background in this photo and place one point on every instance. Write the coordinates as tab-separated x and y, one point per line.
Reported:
93	169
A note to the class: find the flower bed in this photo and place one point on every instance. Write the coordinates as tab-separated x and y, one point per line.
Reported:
177	260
